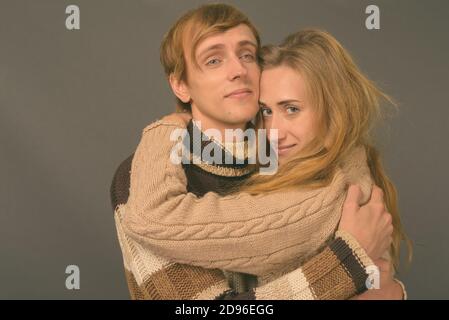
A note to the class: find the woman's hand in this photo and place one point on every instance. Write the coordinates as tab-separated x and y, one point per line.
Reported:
371	225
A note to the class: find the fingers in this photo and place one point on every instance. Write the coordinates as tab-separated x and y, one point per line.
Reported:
354	196
387	243
388	220
377	195
390	229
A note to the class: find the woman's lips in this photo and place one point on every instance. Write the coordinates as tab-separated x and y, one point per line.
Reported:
282	150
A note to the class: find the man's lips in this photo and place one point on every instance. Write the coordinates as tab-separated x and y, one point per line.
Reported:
240	93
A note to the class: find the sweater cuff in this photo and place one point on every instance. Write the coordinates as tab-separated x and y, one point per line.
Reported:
354	257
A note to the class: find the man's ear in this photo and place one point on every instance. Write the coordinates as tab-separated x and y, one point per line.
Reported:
179	88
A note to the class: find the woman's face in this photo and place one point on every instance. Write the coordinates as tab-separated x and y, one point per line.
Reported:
285	107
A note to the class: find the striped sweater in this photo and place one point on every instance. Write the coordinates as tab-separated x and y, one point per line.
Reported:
336	272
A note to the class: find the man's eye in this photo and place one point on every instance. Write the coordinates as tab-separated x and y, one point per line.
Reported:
213	62
248	57
266	112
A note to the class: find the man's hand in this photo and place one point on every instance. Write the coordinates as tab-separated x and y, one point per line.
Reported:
371	225
182	118
389	288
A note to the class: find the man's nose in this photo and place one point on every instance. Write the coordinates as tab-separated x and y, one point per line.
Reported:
237	69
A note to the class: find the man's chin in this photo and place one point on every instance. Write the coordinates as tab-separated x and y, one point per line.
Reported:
242	114
239	121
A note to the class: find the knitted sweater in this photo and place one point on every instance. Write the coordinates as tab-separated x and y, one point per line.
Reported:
219	178
338	271
247	233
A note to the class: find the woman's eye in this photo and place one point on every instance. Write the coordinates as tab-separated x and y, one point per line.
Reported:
213	62
266	112
292	109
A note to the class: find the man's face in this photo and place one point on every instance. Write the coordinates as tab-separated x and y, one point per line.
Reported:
224	90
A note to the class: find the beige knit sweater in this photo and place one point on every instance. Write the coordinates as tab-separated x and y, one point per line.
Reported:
244	233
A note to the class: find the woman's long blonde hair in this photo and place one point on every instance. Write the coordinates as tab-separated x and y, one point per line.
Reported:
348	106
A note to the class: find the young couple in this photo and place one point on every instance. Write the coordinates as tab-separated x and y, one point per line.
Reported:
315	228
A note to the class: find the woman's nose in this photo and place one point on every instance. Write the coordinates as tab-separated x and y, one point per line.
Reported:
277	123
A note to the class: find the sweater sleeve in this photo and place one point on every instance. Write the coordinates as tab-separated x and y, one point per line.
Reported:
164	217
336	273
151	277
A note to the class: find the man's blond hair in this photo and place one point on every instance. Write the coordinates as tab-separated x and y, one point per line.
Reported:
196	25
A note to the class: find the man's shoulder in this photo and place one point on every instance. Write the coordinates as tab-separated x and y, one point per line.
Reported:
161	122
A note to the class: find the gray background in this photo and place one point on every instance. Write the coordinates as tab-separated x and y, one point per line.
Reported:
73	104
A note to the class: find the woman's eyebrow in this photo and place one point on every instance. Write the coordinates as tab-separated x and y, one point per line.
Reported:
280	103
284	102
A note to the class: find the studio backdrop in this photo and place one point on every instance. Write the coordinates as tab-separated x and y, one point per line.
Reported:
80	79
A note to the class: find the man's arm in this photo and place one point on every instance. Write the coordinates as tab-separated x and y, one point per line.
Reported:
306	282
338	272
151	277
166	218
389	288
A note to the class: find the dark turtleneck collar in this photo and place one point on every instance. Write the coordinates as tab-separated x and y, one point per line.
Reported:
228	166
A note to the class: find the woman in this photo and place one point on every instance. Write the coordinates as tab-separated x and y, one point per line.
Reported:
324	124
322	106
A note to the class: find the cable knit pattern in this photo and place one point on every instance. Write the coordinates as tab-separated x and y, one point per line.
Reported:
244	233
337	272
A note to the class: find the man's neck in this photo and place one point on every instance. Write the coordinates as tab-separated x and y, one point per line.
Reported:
231	161
207	125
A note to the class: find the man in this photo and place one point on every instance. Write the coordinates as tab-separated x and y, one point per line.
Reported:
211	59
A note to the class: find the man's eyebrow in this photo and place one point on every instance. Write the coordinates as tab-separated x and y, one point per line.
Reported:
247	43
217	46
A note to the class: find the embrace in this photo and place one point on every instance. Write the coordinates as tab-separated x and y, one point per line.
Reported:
208	228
